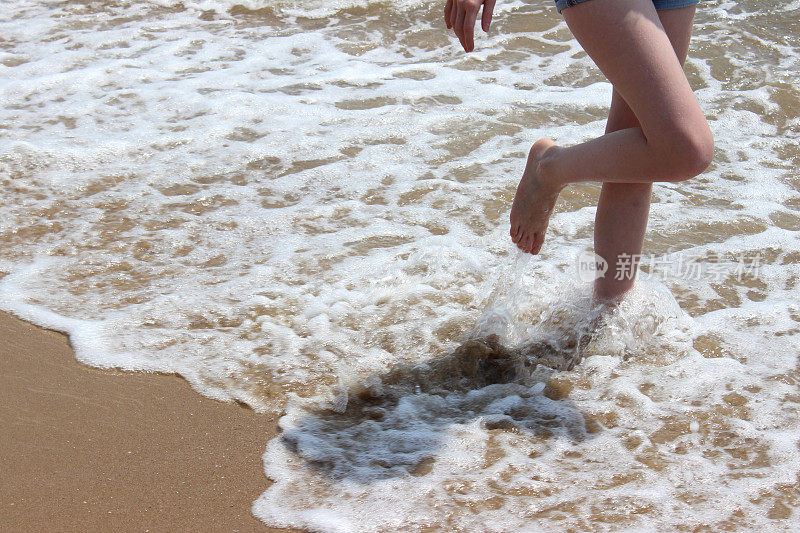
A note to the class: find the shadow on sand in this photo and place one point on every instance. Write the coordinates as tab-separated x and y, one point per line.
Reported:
393	424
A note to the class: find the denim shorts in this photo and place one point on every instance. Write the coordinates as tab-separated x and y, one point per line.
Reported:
659	4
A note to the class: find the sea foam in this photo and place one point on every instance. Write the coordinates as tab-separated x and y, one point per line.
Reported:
303	206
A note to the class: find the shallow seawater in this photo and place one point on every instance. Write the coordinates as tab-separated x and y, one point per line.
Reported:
303	206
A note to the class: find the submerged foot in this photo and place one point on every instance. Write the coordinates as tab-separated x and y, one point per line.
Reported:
534	201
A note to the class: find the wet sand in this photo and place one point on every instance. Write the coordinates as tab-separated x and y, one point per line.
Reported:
89	449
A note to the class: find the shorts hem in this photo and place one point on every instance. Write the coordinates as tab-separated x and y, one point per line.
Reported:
659	4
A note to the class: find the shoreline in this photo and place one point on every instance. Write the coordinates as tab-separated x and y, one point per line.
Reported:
94	449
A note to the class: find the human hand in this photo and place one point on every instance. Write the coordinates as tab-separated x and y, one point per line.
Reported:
460	15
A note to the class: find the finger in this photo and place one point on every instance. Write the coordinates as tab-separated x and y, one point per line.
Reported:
447	8
453	14
459	26
486	17
469	28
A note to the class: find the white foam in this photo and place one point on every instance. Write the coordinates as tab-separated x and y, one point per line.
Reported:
276	213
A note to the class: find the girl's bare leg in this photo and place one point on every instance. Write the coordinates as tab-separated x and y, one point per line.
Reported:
622	211
672	142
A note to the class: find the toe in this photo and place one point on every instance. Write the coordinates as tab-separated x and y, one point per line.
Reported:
520	242
526	242
537	243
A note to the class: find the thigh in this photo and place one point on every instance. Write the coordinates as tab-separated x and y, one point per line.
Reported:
677	24
631	46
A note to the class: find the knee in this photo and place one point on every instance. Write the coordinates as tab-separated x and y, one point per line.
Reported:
698	153
690	151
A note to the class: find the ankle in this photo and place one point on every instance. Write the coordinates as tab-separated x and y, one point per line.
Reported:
610	294
546	170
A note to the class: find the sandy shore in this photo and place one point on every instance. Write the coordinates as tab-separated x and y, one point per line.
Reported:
89	449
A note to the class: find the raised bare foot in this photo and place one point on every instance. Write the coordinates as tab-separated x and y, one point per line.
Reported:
534	201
